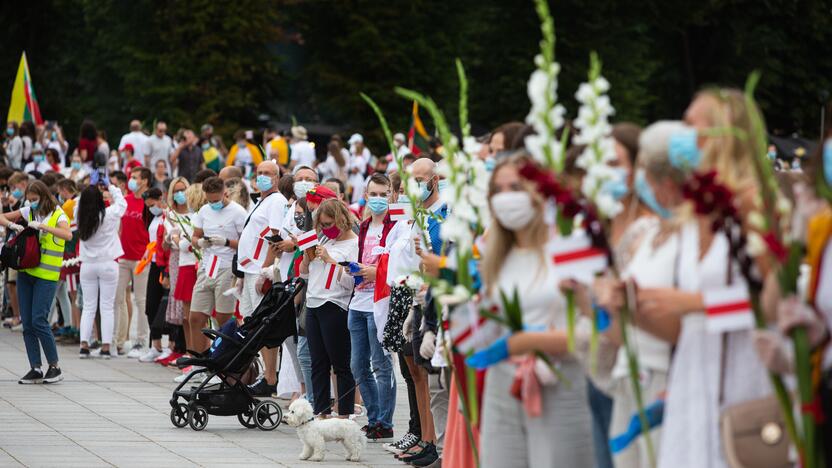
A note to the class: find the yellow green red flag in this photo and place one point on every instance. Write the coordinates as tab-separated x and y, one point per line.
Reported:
24	103
417	137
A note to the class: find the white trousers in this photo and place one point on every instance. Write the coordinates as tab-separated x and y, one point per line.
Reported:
99	280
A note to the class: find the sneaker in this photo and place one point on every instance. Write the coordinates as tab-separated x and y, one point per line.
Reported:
136	352
95	344
150	355
380	433
105	355
188	371
170	359
34	376
84	353
426	455
403	444
261	388
166	352
18	327
53	375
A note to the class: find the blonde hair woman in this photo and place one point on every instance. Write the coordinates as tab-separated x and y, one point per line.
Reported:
328	295
182	262
515	260
238	192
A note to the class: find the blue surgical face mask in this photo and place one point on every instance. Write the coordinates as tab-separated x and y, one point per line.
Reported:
490	164
132	185
38	158
206	147
425	192
217	206
645	193
61	199
179	197
442	185
33	204
9	131
827	160
76	165
682	150
264	183
54	135
377	205
17	193
155	210
617	186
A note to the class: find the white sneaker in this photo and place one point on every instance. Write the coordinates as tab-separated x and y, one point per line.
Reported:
18	327
150	355
185	373
165	353
136	352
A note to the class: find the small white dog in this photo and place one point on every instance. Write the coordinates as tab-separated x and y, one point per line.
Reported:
315	432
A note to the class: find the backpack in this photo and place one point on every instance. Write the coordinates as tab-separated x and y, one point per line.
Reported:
22	251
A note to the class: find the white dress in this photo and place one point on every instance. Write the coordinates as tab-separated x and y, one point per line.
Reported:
690	431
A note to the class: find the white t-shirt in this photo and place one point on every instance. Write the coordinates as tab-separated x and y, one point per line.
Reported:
228	223
362	300
185	226
41	167
105	244
153	229
56	145
328	282
27	147
14	149
330	168
140	144
303	154
403	259
356	179
160	149
267	216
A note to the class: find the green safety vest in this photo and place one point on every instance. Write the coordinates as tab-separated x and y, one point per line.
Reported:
51	251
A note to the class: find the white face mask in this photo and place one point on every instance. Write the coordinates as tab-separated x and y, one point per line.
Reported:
513	210
301	187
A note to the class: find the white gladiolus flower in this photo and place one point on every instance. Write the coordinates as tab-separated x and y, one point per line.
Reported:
755	245
784	206
756	220
413	282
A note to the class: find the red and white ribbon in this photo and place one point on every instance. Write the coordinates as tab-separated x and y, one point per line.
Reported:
728	309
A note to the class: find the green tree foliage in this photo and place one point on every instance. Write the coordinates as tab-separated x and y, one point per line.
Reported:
229	61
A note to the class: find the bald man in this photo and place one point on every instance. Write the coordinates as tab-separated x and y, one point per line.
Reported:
255	259
140	141
230	172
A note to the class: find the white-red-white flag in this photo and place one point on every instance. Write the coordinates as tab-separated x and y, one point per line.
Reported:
400	211
469	331
728	309
575	257
308	239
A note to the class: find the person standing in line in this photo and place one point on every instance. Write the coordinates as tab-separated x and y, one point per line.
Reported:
35	284
14	146
138	140
159	146
357	166
87	143
134	242
254	258
187	158
68	284
370	365
243	154
98	226
302	152
327	296
217	228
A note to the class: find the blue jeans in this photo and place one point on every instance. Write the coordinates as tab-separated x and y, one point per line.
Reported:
305	363
378	387
601	406
35	297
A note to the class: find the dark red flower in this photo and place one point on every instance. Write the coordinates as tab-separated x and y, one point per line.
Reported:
777	248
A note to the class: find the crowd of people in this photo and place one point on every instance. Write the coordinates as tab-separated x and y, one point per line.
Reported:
178	234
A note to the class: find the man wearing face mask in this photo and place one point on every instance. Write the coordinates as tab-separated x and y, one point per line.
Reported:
305	180
134	240
255	259
38	163
217	227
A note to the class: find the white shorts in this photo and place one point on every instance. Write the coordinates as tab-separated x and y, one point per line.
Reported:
250	297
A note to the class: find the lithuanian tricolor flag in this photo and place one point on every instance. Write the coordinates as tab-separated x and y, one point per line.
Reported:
417	137
24	104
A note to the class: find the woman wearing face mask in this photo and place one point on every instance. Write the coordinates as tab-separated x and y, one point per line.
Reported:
98	227
513	433
327	298
75	171
181	265
14	146
243	154
34	284
157	279
38	163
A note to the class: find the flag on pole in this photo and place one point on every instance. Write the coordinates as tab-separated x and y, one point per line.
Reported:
417	137
400	212
576	258
307	239
728	309
24	104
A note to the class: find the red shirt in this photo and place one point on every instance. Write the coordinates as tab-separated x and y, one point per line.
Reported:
128	168
134	238
90	145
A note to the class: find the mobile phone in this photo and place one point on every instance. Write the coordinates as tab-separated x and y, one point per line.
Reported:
344	264
274	239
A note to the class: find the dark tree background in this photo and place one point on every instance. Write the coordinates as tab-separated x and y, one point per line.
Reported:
243	62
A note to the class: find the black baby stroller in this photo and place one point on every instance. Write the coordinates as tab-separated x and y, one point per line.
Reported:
229	359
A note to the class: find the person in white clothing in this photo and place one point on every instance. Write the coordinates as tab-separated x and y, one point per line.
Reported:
75	171
217	228
14	145
303	153
98	227
38	163
160	147
357	168
256	259
139	140
328	294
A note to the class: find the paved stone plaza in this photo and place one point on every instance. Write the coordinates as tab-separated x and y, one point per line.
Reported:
115	413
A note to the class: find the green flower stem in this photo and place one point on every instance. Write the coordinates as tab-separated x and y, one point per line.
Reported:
593	345
570	321
634	371
803	367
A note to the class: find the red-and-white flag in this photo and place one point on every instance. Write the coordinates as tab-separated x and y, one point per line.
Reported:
728	309
400	212
381	296
307	239
575	257
469	331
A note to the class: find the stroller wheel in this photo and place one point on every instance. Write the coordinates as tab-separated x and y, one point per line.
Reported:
198	418
179	415
246	418
268	415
